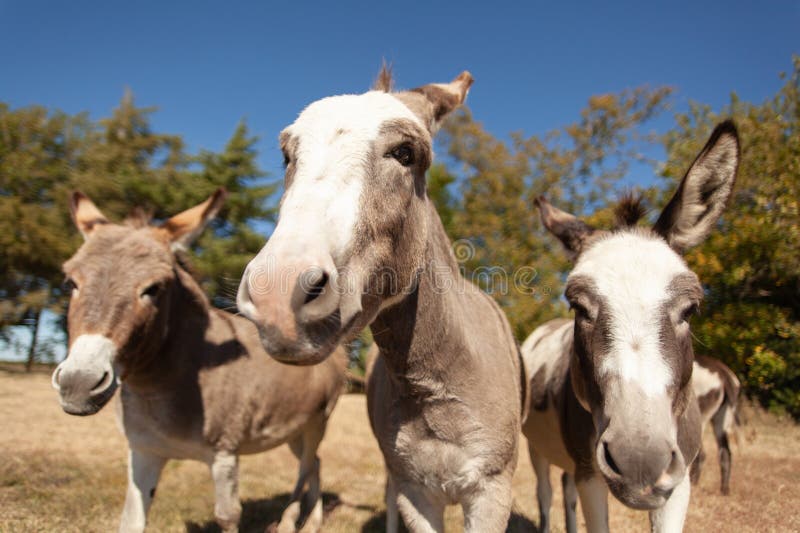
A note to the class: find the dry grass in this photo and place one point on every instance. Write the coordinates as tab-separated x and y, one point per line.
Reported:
62	473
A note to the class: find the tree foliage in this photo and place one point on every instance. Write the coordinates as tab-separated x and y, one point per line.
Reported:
577	167
121	163
750	267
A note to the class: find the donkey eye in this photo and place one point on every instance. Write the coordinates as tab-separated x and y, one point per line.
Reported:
581	313
152	291
687	313
69	285
404	154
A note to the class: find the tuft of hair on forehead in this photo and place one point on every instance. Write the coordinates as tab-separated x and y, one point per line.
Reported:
629	210
138	218
384	82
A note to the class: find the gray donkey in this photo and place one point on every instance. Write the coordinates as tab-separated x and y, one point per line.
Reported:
358	243
195	381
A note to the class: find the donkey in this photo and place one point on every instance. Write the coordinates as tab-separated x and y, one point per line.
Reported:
358	243
717	390
612	402
195	382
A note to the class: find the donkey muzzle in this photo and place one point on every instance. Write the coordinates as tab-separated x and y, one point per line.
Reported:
86	379
295	303
641	470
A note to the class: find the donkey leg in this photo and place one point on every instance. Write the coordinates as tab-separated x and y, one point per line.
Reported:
291	514
488	511
697	465
570	501
392	518
723	421
420	512
670	517
304	448
313	499
144	470
312	437
225	473
544	491
593	494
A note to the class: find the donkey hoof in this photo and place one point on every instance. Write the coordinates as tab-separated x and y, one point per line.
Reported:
289	518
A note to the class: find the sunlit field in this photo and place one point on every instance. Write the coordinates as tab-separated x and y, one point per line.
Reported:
63	473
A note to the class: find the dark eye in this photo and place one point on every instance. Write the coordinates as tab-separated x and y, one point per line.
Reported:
581	313
286	159
68	286
152	291
404	154
687	313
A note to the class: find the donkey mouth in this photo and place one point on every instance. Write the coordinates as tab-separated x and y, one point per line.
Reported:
91	403
635	496
315	342
89	406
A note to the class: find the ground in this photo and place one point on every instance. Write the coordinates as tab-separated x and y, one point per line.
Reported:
65	473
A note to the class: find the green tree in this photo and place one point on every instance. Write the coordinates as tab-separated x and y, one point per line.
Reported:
223	253
121	163
750	268
578	167
37	151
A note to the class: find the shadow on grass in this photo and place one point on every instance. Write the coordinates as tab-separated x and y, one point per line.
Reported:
516	524
263	514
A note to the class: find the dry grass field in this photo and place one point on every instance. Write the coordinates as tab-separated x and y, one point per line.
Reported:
63	473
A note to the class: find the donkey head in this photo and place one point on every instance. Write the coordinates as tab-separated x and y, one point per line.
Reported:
633	294
352	225
121	281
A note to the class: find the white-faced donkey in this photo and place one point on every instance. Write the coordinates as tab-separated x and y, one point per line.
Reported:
195	382
359	242
612	402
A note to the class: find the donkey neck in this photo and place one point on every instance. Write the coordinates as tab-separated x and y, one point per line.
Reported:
420	336
165	362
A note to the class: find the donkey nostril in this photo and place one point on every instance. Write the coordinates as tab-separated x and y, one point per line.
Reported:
56	377
610	460
314	283
102	380
674	466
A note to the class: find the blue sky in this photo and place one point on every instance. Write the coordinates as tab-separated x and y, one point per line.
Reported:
206	65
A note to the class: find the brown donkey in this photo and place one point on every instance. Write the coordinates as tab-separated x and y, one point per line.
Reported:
612	401
359	243
195	382
717	390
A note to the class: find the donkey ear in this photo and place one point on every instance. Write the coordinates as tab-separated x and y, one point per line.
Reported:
703	192
444	97
185	227
85	214
571	231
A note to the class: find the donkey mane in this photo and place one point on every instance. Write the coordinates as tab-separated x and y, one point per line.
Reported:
139	218
630	209
384	82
